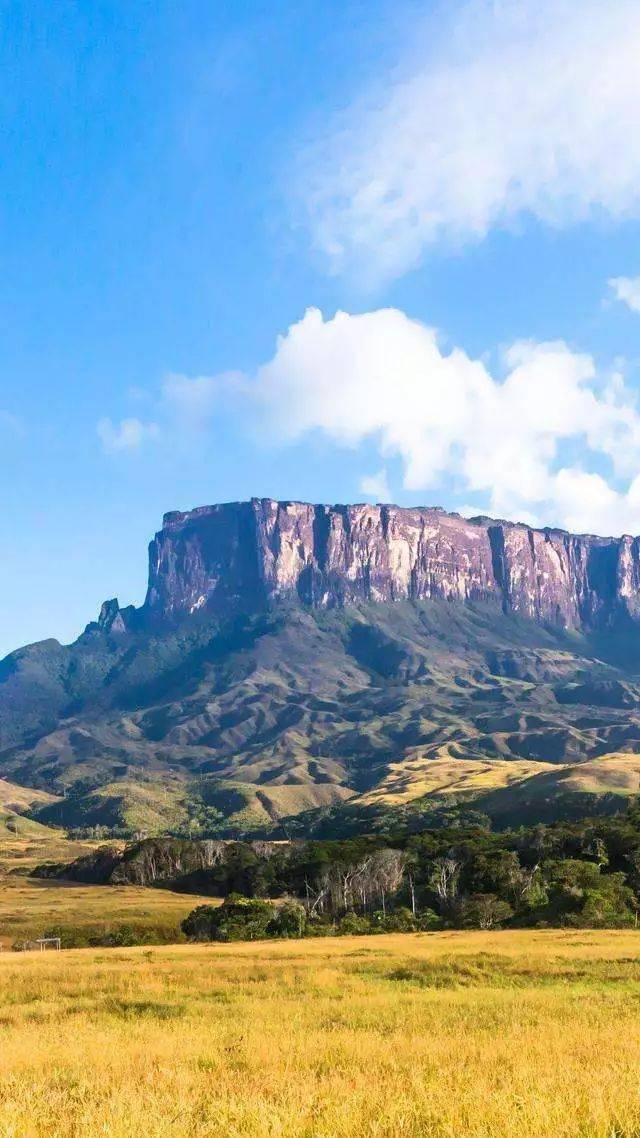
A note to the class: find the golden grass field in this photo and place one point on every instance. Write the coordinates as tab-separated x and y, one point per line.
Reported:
450	772
23	853
30	907
490	1035
487	1035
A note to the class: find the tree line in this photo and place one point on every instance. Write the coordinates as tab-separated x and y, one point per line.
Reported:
583	874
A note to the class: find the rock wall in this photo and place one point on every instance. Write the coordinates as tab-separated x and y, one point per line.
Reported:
240	556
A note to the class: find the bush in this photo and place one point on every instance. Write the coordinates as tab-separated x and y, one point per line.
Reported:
238	918
291	920
353	925
121	937
428	921
318	927
583	897
70	937
401	920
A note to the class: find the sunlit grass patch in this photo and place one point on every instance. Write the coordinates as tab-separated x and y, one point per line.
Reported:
491	1035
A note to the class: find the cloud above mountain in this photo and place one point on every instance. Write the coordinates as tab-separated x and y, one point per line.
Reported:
126	436
541	435
545	439
497	112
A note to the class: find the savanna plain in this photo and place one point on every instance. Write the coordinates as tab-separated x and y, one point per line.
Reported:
460	1033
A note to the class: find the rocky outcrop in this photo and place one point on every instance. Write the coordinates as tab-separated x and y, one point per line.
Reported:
241	556
113	619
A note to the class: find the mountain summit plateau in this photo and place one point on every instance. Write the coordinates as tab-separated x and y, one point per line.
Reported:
241	556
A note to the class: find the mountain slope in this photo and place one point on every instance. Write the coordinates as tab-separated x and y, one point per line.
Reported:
296	709
259	704
16	805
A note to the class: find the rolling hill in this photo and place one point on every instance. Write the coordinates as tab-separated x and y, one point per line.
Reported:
17	804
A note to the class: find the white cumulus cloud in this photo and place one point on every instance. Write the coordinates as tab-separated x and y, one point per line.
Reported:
502	109
531	442
586	502
541	437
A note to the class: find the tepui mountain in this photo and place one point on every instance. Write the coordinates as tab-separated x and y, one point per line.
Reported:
300	666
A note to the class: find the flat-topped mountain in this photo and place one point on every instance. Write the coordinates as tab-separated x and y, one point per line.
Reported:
292	658
241	556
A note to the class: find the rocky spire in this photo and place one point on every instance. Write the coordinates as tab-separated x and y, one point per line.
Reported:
111	618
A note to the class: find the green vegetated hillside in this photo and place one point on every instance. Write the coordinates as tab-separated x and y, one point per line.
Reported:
16	804
322	720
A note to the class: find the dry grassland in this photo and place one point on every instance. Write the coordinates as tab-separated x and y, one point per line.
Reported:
490	1035
30	906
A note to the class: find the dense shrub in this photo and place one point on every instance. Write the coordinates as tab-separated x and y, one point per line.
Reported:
482	911
352	925
401	920
582	896
290	920
238	918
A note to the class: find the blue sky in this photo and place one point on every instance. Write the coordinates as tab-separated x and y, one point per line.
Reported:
180	182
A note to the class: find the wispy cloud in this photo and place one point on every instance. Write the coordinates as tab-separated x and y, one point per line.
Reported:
11	424
501	110
127	435
376	487
627	290
191	401
178	413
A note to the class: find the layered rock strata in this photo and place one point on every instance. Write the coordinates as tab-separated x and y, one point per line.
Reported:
241	556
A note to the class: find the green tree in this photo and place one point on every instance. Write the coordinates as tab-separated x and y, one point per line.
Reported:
352	924
238	918
401	920
291	919
580	895
428	921
483	911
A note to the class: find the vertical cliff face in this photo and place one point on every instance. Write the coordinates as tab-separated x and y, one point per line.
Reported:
241	556
206	557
